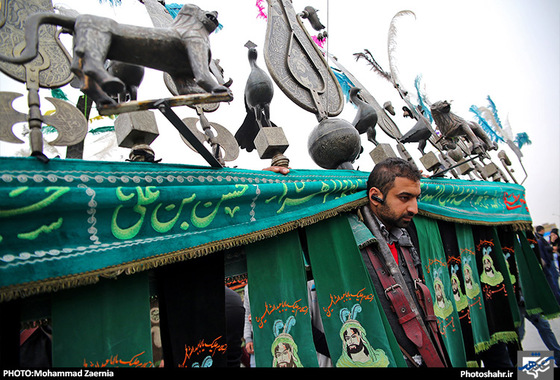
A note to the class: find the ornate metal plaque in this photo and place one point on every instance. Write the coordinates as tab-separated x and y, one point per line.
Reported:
9	117
53	61
297	65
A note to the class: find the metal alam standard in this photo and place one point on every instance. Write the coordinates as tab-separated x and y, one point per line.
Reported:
124	264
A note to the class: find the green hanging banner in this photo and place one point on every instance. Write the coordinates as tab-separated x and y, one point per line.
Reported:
280	314
469	268
357	331
436	276
103	325
69	222
507	239
453	257
536	291
503	252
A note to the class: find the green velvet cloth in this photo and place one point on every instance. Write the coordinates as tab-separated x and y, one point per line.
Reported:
66	222
437	279
472	286
536	292
103	325
474	202
347	299
280	313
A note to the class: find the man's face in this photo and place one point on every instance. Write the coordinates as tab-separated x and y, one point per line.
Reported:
283	355
454	285
468	277
400	203
439	292
487	265
353	340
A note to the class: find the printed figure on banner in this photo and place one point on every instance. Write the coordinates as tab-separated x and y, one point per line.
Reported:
356	350
461	301
284	349
442	306
471	287
489	275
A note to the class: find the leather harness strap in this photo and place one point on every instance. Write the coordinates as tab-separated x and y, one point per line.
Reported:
406	315
424	297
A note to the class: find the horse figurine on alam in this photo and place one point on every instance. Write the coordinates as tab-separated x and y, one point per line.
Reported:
452	126
182	50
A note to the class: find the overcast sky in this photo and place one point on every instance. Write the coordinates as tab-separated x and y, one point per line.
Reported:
464	50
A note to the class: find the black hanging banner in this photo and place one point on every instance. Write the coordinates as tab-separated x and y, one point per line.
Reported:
496	287
192	312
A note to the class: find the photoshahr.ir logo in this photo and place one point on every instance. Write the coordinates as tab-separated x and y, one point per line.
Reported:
535	365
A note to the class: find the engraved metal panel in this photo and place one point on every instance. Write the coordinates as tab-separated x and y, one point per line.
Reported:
297	65
53	61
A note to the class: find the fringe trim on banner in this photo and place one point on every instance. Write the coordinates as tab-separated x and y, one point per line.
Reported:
481	347
505	337
502	336
521	225
9	293
539	310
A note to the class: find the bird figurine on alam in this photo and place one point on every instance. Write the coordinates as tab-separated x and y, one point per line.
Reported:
366	116
259	91
310	14
419	133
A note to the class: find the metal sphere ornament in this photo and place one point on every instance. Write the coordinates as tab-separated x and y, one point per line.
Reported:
334	144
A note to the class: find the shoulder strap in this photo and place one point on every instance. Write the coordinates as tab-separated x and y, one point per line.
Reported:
406	315
423	295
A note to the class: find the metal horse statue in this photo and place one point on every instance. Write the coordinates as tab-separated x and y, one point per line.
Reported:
182	50
452	126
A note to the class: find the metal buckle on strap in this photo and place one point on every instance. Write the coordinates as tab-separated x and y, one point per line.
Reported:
391	288
416	282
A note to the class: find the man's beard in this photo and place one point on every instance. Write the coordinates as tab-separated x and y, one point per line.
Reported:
388	217
355	348
286	364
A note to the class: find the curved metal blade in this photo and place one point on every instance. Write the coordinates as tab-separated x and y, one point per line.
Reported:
68	121
9	117
223	138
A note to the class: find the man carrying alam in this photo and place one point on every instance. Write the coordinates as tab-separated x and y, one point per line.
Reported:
394	265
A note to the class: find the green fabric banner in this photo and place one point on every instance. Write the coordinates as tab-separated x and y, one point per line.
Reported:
66	222
476	202
103	325
280	313
453	256
436	276
536	291
469	268
357	331
507	237
503	266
